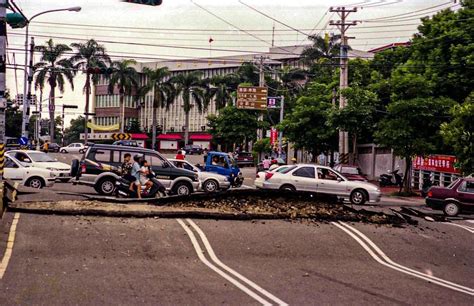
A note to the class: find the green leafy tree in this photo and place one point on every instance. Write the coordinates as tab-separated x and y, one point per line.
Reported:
322	47
233	126
133	126
306	126
126	79
157	82
357	118
225	86
73	132
459	133
411	128
13	120
89	55
54	69
192	90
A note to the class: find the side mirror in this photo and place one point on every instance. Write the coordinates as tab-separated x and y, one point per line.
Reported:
339	179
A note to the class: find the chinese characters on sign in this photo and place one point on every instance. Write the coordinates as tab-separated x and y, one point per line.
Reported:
251	97
273	136
439	163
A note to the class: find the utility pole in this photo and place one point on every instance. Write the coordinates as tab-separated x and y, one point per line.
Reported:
343	25
3	100
261	83
280	133
27	90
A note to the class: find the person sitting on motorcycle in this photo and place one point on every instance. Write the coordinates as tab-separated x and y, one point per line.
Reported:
135	172
145	175
126	169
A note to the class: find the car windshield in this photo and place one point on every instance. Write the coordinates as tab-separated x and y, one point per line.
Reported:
350	170
285	169
453	183
41	157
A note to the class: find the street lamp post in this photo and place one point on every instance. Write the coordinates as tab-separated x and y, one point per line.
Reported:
28	77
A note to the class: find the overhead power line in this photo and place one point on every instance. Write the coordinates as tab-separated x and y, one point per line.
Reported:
412	12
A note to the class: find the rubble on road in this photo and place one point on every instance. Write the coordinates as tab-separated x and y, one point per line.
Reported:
242	205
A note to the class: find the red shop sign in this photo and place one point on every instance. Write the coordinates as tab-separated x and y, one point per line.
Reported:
438	163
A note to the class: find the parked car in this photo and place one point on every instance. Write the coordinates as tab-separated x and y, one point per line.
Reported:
223	164
351	172
192	149
53	147
127	143
320	180
75	147
244	159
30	176
456	198
42	160
99	168
210	182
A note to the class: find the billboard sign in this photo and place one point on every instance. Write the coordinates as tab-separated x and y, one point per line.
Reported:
438	163
252	97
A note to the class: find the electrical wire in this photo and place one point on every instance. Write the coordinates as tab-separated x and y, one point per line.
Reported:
381	3
412	12
413	17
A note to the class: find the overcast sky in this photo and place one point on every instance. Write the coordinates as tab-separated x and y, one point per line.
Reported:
184	24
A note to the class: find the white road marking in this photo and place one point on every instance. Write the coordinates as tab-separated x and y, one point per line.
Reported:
9	249
386	261
214	258
467	228
247	187
470	221
235	282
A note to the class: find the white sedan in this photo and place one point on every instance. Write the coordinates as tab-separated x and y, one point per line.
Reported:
27	175
210	182
317	179
73	148
42	160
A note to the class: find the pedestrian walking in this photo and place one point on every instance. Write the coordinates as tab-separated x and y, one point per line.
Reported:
266	163
46	147
180	155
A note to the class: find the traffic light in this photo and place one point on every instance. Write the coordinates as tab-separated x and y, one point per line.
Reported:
16	20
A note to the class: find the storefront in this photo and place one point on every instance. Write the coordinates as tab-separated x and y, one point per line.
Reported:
168	142
202	139
438	168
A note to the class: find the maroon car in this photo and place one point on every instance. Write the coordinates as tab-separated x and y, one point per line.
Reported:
457	197
353	173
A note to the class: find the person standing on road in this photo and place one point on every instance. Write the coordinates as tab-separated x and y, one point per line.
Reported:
266	163
180	155
46	147
136	174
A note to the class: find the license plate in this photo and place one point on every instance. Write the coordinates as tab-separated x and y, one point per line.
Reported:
245	159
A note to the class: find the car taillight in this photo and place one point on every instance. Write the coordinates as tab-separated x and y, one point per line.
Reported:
83	168
268	175
430	194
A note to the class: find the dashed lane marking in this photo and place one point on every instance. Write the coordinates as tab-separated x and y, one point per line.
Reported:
376	253
9	249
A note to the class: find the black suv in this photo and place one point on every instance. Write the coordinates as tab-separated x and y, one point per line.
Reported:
192	149
100	166
128	143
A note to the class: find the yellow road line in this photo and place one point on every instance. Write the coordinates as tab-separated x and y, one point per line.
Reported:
9	249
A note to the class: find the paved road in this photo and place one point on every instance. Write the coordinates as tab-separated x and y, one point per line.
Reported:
85	260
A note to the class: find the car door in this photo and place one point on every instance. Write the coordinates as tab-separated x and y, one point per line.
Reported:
304	179
161	168
12	170
330	182
466	193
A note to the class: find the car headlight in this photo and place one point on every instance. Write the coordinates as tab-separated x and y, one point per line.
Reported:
226	179
51	174
52	169
196	177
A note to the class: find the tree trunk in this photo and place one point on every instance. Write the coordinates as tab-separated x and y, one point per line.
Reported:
354	148
406	177
186	131
153	124
86	112
52	123
122	113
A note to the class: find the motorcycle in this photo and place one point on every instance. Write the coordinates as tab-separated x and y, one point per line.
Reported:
122	189
425	187
391	178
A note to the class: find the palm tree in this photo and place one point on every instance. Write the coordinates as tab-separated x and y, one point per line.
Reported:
125	78
323	47
248	73
54	69
89	55
224	87
163	92
290	80
192	90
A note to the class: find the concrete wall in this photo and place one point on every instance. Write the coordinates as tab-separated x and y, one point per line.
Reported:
374	160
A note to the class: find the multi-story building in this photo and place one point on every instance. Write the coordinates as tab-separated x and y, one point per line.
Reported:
106	106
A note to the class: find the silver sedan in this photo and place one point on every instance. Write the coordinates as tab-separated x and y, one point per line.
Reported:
210	182
318	179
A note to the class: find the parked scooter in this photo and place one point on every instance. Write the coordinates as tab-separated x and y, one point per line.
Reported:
122	189
391	178
427	183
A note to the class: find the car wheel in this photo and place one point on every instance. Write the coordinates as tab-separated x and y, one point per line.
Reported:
210	186
182	189
105	186
35	182
358	197
289	188
63	151
451	209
